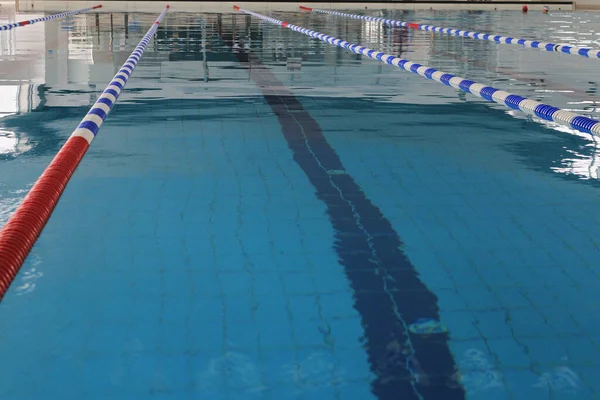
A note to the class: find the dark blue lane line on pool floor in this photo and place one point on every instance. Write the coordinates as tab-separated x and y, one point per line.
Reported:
388	292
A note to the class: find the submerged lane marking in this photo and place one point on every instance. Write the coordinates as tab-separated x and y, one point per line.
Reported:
408	363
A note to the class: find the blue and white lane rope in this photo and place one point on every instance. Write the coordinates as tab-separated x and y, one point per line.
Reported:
89	126
513	101
534	44
48	18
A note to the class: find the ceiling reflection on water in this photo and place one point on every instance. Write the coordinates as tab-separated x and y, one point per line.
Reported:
67	63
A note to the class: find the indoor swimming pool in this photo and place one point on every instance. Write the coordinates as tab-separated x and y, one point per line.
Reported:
266	216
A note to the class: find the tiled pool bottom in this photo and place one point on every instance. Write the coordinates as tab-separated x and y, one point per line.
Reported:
206	249
507	253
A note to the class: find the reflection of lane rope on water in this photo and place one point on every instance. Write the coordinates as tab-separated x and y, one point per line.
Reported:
134	25
67	24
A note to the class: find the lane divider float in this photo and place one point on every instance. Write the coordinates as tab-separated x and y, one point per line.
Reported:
25	225
513	101
533	44
48	18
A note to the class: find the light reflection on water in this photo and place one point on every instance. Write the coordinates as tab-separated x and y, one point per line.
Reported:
193	54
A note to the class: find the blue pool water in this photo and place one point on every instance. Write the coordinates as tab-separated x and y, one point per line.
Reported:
266	217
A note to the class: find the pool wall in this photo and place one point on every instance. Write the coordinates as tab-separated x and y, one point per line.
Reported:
225	6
